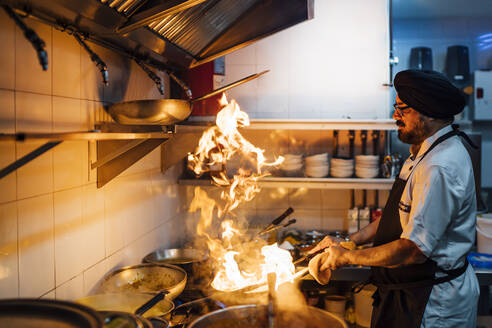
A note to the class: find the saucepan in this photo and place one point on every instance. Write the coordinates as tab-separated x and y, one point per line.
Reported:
164	111
256	316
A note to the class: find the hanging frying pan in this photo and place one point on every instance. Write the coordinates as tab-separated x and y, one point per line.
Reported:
164	111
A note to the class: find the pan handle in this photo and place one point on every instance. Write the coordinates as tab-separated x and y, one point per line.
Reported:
230	86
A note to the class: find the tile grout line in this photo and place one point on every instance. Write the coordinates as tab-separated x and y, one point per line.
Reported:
15	158
53	174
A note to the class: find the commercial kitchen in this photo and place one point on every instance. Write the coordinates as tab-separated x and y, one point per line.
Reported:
220	163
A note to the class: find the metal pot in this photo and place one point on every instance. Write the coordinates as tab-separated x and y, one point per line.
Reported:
47	313
256	316
124	319
145	278
126	302
163	111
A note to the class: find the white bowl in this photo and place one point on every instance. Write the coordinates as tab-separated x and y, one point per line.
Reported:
317	158
291	167
319	172
366	173
341	173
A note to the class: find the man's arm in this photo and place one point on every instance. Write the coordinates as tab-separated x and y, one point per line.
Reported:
398	253
362	236
366	234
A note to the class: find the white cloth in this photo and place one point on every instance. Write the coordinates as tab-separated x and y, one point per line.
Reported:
438	213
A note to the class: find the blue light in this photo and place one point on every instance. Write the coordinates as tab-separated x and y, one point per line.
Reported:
484	36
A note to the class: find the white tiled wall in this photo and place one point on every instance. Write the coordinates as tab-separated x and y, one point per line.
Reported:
332	66
59	234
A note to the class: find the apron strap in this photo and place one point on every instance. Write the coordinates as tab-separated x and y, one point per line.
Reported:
451	274
462	134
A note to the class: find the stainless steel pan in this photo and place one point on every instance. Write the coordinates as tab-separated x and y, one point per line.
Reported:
163	111
145	278
256	316
126	302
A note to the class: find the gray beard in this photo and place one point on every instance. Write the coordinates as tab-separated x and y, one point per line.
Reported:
417	135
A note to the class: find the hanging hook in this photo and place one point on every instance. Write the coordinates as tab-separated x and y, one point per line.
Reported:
157	80
103	68
31	36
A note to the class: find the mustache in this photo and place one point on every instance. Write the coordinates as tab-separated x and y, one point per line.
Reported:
400	123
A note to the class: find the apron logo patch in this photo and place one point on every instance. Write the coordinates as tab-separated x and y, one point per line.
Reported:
404	207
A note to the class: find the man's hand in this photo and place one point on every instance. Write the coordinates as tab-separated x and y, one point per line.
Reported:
321	265
326	242
333	258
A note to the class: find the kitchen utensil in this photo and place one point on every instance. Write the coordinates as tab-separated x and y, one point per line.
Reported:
256	316
363	139
121	319
145	278
290	222
127	302
375	142
335	143
185	258
272	279
46	313
164	111
150	303
277	221
351	143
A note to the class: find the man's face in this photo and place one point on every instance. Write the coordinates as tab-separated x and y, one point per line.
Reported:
412	126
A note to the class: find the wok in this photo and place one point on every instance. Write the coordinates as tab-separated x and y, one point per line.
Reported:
38	313
163	111
256	316
145	278
126	302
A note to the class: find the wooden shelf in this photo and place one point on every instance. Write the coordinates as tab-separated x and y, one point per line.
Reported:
310	183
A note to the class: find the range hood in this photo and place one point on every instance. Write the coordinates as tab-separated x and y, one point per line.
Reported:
170	34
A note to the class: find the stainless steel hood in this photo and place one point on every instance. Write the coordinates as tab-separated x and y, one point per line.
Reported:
170	34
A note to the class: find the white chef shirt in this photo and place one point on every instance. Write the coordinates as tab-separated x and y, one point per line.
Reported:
438	213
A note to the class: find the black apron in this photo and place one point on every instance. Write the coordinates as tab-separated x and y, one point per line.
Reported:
402	293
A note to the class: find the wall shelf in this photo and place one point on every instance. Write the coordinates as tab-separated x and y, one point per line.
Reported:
196	123
310	183
118	147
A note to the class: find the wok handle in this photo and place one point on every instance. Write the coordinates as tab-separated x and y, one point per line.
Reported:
150	303
230	86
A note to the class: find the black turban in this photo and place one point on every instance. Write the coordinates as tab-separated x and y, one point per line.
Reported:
429	93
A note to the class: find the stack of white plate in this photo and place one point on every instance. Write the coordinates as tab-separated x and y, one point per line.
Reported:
341	168
292	164
367	166
317	165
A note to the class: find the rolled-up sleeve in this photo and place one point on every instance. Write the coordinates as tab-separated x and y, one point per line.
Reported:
434	203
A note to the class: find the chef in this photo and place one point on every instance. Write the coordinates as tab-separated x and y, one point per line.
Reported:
418	259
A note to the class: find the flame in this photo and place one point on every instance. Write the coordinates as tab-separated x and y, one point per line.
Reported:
231	278
236	267
219	144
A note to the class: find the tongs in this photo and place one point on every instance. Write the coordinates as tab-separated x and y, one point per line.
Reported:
276	223
307	257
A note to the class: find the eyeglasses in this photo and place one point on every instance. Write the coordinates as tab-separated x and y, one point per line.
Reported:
400	109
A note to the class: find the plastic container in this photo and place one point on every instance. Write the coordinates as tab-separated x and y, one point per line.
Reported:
336	304
363	306
484	222
484	241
